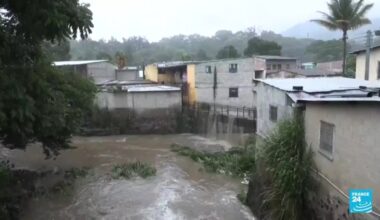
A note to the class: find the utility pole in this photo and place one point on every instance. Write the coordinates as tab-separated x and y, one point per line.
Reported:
367	55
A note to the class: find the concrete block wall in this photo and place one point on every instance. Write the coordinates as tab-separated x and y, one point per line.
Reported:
242	80
267	96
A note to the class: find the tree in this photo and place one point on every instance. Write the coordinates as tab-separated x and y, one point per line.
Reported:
227	52
201	55
57	51
324	51
38	102
345	15
104	56
257	46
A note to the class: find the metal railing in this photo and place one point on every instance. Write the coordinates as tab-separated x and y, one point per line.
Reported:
233	111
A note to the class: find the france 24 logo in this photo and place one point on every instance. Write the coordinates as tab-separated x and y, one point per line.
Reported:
360	200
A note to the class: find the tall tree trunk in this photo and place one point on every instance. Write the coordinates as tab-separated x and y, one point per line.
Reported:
344	52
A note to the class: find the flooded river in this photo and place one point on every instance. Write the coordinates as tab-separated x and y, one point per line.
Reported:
180	189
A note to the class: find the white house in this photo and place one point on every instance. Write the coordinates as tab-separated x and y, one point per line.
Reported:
374	63
342	121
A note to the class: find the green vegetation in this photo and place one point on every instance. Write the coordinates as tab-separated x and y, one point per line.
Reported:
75	173
324	51
242	197
345	15
5	197
130	170
235	162
258	46
39	102
64	186
285	166
139	50
227	52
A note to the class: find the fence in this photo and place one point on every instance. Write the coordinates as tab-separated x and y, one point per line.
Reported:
233	111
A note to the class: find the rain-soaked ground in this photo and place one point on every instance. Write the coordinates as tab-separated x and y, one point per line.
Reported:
180	190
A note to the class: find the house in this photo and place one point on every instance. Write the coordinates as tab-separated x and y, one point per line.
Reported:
176	73
128	73
374	63
225	82
273	64
308	65
96	70
303	73
332	66
142	97
341	118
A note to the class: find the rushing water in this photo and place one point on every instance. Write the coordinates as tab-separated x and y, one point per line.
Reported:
180	190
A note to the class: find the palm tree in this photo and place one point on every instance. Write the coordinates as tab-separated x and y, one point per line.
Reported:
345	15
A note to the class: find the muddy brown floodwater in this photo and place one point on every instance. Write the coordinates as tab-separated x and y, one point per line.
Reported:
180	190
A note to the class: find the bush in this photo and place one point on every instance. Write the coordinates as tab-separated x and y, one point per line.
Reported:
236	162
130	170
286	164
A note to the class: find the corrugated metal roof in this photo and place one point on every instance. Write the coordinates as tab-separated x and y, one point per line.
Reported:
137	86
313	72
269	57
341	96
355	51
320	84
76	62
151	88
124	82
175	63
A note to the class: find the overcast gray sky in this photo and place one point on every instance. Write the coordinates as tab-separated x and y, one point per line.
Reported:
155	19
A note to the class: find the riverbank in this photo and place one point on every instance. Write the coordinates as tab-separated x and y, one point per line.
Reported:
181	188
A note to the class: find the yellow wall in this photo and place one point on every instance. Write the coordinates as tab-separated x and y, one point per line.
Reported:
191	83
151	72
373	62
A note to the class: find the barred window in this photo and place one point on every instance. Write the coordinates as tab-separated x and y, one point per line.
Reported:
233	92
233	68
273	113
326	139
378	70
208	69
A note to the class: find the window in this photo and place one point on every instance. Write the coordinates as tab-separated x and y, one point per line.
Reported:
273	113
233	68
258	74
268	67
279	66
208	69
326	139
378	70
274	66
234	92
287	66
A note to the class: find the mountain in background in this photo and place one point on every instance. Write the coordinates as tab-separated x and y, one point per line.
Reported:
315	31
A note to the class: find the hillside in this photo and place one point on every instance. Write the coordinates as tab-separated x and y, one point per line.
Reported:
312	30
138	50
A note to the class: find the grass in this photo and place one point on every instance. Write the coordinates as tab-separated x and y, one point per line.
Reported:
75	173
130	170
287	163
237	162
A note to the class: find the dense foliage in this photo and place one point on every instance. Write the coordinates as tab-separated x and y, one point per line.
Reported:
324	51
235	162
130	170
257	46
38	102
138	50
227	52
286	164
